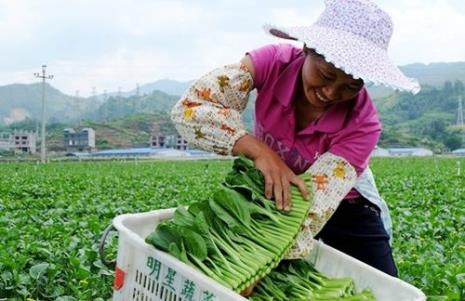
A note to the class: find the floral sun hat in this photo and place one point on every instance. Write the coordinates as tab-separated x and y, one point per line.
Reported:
354	36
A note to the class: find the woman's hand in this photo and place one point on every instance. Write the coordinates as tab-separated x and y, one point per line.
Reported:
248	291
278	176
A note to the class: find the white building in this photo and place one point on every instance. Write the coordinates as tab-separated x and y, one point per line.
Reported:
419	152
181	143
24	141
83	140
380	152
459	152
157	138
157	141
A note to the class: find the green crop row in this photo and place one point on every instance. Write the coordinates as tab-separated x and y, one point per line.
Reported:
52	217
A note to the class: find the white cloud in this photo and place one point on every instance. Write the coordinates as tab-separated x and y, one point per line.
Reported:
111	43
145	17
295	16
427	32
17	21
122	68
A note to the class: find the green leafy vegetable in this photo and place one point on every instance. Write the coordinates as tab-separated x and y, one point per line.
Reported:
237	236
298	280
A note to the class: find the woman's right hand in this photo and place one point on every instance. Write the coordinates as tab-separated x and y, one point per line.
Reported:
278	176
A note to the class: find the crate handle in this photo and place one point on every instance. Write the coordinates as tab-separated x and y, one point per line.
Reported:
101	249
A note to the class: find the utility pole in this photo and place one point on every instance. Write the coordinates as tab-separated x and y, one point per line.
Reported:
94	94
135	99
104	105
460	119
460	113
78	108
43	76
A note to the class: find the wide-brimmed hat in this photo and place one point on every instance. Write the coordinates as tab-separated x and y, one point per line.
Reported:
354	36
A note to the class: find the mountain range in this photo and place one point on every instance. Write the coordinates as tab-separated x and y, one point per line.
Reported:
18	101
408	119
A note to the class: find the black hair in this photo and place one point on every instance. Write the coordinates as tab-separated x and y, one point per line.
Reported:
311	51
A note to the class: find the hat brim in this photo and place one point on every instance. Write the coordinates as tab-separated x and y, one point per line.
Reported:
352	54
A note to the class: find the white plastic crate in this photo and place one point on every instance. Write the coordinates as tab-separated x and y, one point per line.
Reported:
144	273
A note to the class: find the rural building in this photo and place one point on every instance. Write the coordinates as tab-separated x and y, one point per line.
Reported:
157	138
181	143
83	140
24	141
419	152
138	152
157	141
459	152
170	141
144	152
6	143
380	152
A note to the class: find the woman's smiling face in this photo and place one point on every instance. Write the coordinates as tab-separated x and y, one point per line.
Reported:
324	84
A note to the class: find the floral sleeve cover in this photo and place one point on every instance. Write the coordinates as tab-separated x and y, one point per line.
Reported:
208	115
332	178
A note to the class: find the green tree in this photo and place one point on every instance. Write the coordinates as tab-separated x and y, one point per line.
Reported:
453	142
459	87
448	88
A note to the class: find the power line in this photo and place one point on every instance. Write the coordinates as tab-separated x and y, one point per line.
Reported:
104	105
43	76
94	93
134	99
78	107
460	113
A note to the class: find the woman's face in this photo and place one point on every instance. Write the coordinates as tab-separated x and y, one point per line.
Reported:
324	84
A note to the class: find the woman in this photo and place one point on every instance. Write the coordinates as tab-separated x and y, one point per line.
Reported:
313	114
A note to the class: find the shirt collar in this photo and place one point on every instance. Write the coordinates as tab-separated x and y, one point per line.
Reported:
285	85
332	120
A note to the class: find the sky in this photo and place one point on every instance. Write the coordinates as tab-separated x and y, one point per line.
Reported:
112	44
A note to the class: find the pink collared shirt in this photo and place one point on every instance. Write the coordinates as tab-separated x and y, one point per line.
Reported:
349	130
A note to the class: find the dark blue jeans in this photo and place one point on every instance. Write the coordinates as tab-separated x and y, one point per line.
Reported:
357	230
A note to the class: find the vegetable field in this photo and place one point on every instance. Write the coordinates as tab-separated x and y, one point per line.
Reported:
52	217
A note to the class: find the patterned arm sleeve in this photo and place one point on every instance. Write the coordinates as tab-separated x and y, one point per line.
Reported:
333	177
208	114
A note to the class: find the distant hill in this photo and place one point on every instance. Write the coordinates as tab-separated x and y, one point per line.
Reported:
434	74
115	107
130	131
19	101
168	86
426	119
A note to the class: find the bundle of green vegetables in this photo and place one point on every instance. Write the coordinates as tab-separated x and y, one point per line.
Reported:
298	280
238	236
